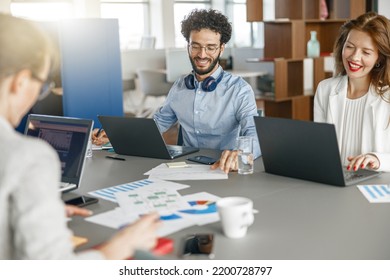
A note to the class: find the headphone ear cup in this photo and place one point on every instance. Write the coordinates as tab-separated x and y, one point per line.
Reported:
189	81
209	84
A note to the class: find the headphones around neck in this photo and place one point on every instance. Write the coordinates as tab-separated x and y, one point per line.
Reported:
208	84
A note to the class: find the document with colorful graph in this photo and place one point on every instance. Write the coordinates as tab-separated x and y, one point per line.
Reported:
199	209
145	200
110	192
202	208
376	193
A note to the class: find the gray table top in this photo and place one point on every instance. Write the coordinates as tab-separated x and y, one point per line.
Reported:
297	219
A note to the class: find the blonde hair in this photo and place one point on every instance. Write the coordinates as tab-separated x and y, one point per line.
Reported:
24	45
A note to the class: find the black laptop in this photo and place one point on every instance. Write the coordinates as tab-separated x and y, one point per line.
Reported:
69	137
304	150
140	137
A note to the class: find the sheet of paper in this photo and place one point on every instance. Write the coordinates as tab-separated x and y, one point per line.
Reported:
163	200
117	219
191	172
376	193
200	210
109	193
106	146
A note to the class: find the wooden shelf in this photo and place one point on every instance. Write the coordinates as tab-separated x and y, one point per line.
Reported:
289	78
284	39
254	10
297	9
310	9
327	32
298	108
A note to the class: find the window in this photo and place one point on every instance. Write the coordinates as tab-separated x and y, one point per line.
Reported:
133	20
181	9
42	10
245	34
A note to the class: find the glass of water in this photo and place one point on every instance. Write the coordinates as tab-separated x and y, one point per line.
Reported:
245	154
88	154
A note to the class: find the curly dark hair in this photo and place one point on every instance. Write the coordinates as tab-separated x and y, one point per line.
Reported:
207	19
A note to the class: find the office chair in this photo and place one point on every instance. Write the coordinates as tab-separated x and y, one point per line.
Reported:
128	84
153	83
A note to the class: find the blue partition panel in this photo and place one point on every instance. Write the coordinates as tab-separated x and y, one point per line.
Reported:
91	68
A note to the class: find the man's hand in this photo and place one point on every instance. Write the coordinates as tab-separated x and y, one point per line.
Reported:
228	161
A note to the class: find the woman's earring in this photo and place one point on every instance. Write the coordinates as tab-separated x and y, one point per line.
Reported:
377	65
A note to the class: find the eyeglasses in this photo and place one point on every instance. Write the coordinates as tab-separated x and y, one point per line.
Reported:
209	49
47	86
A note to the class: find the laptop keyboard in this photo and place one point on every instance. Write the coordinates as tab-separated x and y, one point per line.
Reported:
174	153
65	186
350	175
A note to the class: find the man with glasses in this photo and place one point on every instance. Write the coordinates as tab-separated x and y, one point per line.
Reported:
212	106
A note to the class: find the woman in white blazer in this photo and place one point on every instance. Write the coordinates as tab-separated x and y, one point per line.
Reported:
357	99
32	214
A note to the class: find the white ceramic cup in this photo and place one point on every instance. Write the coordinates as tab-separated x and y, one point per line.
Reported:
236	214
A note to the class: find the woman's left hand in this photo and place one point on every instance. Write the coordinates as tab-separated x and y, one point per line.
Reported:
363	161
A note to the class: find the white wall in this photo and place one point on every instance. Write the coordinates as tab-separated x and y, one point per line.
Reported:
87	8
5	6
142	59
384	8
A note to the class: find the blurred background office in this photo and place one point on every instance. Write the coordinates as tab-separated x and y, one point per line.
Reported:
149	32
150	39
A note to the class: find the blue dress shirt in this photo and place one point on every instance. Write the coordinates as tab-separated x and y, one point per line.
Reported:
211	120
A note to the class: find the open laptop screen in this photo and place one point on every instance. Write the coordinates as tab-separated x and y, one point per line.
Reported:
68	136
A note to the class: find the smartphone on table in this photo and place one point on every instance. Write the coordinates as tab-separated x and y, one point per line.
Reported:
81	201
197	246
202	160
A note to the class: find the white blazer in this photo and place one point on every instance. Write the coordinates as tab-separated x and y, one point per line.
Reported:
329	106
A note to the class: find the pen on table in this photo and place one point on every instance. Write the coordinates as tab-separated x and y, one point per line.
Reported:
115	157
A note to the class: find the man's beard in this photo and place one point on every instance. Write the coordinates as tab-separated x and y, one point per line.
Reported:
206	71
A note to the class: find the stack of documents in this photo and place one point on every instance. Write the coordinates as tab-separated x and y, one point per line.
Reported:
187	172
181	211
110	192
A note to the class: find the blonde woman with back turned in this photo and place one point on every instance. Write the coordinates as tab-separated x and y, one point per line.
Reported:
32	215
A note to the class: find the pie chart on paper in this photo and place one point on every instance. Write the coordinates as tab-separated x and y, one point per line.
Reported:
170	217
200	207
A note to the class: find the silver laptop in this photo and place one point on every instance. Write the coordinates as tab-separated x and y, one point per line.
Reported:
140	137
304	150
69	137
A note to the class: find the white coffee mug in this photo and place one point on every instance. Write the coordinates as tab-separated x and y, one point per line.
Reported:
236	214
